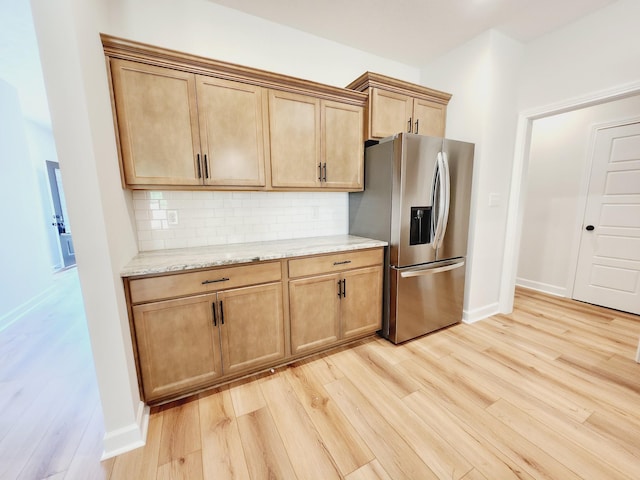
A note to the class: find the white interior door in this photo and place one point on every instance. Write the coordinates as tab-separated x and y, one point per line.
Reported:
608	272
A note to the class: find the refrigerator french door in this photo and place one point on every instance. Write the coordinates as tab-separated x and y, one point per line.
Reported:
417	198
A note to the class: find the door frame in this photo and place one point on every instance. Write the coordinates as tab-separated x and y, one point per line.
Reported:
515	211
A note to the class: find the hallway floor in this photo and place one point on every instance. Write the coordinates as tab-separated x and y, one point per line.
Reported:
50	413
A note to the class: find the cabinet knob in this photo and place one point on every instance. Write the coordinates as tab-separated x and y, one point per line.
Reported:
590	228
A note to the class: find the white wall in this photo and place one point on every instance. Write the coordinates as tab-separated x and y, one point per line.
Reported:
101	212
25	275
595	53
482	76
559	165
204	28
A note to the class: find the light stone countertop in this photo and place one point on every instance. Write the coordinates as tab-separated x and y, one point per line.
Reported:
182	259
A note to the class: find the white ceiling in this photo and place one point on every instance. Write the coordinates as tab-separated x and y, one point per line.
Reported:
415	31
408	31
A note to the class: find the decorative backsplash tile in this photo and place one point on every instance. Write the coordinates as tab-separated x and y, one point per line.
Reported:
177	219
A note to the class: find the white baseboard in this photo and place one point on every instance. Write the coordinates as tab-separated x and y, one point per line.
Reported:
472	316
10	317
127	438
542	287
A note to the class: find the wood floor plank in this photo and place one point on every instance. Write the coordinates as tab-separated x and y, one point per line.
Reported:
222	451
474	475
86	461
580	385
520	450
247	396
586	463
188	467
438	454
396	457
471	445
307	452
263	448
619	431
371	471
538	387
59	442
344	444
323	369
180	431
399	384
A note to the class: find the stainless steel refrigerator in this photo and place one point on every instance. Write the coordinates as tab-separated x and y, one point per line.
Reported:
417	198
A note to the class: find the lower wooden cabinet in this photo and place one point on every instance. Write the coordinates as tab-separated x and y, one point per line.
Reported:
178	346
326	309
189	343
231	321
252	327
315	313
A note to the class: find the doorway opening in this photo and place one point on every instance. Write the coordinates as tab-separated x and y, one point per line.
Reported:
60	218
516	228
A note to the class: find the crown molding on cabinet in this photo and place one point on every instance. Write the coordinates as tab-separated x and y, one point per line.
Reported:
115	47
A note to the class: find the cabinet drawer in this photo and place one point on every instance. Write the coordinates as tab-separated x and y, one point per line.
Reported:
336	262
203	281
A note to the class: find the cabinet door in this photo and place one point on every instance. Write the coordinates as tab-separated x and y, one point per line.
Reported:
390	113
252	326
178	346
342	145
231	132
314	311
294	130
430	117
157	124
361	305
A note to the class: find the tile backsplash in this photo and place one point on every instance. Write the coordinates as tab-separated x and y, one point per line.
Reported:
177	219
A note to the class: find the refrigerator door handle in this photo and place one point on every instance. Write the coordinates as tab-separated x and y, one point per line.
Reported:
446	200
417	272
439	194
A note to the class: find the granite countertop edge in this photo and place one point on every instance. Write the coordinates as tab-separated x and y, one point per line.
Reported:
184	259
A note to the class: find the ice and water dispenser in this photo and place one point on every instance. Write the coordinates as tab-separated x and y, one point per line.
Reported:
420	232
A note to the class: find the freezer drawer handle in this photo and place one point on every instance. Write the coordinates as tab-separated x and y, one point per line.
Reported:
342	263
429	271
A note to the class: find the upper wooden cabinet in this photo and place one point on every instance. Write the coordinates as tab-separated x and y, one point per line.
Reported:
178	128
294	124
157	124
192	122
395	106
231	132
315	143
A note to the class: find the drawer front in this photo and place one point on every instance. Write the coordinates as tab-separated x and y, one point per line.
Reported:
335	262
204	281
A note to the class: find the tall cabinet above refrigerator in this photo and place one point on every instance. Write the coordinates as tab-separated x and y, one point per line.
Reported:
417	198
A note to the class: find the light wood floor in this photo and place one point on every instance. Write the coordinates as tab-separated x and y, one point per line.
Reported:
549	392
